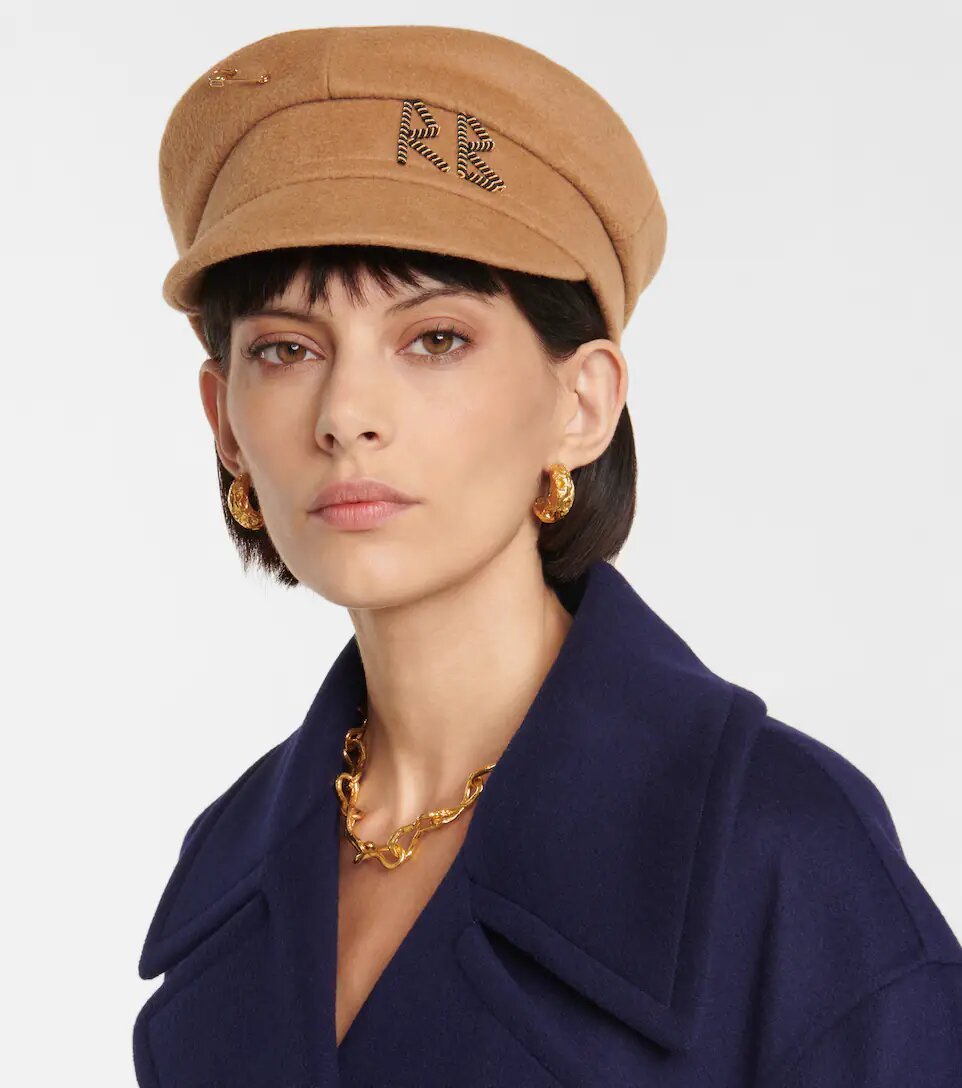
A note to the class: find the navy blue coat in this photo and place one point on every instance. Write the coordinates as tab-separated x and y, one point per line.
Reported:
661	885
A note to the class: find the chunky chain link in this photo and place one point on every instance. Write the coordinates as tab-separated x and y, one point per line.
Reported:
392	853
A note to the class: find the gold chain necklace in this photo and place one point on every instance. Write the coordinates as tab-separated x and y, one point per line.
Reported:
391	854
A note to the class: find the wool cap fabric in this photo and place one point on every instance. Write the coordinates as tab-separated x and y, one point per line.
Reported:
438	138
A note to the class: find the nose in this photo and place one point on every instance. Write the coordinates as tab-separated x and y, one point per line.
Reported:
355	399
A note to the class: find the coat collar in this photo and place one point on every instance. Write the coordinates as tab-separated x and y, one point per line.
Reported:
599	836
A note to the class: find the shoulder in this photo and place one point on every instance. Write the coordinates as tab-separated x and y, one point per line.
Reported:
250	791
837	912
248	795
822	831
802	799
907	1030
218	861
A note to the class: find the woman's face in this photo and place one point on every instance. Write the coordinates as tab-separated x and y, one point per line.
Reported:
450	400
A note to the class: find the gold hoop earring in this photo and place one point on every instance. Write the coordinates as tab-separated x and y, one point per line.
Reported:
239	503
561	494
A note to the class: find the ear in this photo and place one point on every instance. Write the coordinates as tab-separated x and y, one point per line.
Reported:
597	376
213	395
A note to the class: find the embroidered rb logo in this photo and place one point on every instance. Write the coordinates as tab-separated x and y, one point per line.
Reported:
468	150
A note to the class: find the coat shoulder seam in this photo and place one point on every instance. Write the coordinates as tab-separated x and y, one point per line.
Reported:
925	951
784	1065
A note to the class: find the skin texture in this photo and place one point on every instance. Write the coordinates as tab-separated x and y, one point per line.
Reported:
455	624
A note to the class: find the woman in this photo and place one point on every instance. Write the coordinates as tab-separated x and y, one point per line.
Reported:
523	836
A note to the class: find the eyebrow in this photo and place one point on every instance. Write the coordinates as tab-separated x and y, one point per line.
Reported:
405	304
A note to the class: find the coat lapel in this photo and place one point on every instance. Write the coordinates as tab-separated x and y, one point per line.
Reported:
606	819
595	848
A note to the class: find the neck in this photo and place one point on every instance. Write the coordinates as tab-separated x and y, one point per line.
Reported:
450	676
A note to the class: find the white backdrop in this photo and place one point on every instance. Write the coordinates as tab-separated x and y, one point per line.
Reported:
795	393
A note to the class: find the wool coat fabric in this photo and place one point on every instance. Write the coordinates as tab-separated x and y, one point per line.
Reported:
661	884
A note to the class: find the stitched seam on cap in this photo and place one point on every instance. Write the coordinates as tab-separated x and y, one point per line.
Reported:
459	109
330	62
644	220
453	109
406	181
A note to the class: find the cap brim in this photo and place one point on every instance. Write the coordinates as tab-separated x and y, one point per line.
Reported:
367	211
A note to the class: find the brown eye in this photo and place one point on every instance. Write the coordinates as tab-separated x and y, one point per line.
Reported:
289	352
295	351
438	342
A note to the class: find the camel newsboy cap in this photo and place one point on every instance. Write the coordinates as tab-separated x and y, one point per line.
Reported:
439	138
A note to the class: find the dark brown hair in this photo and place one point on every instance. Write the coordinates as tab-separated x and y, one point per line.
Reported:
563	313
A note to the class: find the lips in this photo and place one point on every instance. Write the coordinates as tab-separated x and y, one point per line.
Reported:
359	489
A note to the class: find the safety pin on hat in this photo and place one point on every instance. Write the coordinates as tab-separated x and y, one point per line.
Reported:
220	76
414	138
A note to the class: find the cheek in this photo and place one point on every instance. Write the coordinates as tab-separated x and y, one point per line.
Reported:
267	426
487	450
